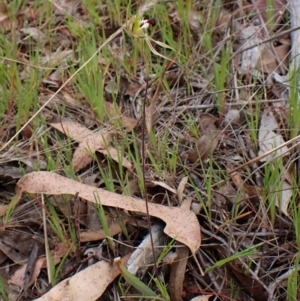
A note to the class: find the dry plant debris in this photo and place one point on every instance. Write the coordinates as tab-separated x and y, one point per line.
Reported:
96	278
89	142
181	225
219	83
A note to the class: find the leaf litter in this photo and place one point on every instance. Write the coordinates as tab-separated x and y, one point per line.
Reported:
89	143
181	225
219	132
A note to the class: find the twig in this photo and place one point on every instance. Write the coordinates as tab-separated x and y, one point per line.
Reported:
74	219
48	261
144	177
212	106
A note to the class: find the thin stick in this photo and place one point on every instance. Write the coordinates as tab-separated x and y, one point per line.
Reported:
144	177
46	240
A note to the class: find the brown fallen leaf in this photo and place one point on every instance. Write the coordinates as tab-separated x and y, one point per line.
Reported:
150	110
32	260
72	129
114	113
178	267
208	141
7	23
177	274
181	188
89	143
270	61
17	245
269	137
35	33
252	191
181	224
88	284
131	86
149	116
204	146
207	123
18	277
114	229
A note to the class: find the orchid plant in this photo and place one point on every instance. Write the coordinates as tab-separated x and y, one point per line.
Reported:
136	27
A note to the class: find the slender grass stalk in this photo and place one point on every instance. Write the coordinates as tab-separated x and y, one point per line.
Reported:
3	290
10	209
55	224
161	285
165	251
273	183
247	252
292	283
104	223
136	283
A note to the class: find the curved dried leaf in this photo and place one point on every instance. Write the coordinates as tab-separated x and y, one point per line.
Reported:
249	37
284	196
250	285
18	276
177	274
114	229
269	138
88	284
207	123
72	129
204	147
181	188
128	123
89	143
181	224
269	63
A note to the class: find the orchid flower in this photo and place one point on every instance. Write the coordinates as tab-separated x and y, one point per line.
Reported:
136	28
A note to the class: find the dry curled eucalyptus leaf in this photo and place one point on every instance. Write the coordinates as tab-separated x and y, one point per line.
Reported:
181	224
